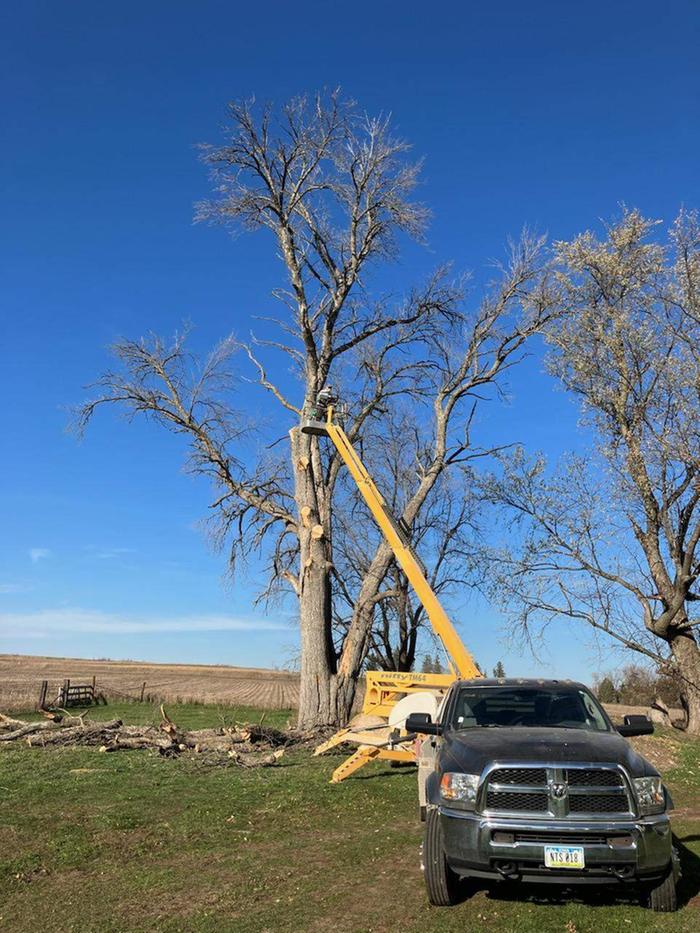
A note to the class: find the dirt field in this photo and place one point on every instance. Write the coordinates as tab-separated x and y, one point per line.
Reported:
21	676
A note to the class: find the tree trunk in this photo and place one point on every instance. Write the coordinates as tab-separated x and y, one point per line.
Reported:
410	654
316	694
316	690
357	638
687	656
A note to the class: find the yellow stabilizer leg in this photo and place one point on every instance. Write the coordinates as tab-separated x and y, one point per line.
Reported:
404	754
376	737
358	760
334	740
367	753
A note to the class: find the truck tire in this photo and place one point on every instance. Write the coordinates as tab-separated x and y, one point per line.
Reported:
441	882
661	898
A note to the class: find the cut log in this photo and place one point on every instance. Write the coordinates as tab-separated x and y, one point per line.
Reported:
241	745
121	741
27	729
87	734
256	761
170	729
11	724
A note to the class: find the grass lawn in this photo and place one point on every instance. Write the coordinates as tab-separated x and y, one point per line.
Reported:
132	841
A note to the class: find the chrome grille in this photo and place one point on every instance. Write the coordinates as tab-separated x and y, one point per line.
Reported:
508	800
598	803
555	790
566	839
593	777
519	776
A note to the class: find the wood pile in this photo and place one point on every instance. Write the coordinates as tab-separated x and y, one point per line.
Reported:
248	746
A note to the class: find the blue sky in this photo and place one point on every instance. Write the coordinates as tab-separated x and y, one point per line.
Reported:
544	113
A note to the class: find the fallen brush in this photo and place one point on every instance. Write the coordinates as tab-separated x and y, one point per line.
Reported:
249	746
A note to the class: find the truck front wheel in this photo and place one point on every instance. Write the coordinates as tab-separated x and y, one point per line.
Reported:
662	896
441	882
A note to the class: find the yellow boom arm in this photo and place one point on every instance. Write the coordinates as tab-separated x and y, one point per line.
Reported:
407	560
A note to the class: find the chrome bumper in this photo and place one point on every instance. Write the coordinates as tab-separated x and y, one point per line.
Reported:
470	849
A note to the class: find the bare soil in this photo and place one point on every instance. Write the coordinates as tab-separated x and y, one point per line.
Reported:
21	676
662	751
617	711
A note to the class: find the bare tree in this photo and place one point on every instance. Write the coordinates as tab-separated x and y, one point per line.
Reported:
334	188
612	538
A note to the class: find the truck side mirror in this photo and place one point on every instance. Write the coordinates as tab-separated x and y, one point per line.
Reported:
423	724
636	725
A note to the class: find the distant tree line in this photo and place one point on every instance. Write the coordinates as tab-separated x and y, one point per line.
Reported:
635	685
432	664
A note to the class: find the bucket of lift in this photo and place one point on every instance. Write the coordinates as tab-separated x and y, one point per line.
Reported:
315	422
315	427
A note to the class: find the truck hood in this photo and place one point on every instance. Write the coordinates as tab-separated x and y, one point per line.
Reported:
471	750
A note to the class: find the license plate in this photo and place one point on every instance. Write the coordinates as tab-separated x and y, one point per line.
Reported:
564	857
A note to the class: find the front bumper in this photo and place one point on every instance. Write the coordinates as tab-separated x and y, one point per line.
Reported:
471	850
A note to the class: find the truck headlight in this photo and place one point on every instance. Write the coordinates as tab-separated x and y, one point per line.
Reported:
650	795
457	786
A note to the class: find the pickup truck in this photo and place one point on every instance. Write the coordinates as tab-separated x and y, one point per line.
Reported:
529	781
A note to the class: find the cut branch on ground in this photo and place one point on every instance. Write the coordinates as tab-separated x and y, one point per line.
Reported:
245	745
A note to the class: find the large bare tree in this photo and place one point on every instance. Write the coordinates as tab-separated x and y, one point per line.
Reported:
334	188
611	538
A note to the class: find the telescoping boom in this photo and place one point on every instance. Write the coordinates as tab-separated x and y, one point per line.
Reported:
385	688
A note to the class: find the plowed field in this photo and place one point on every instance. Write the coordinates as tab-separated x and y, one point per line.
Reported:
21	676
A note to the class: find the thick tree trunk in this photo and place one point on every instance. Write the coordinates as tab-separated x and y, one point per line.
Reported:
316	694
357	638
344	697
409	655
687	656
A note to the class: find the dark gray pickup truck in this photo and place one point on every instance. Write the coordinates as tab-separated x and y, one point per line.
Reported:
528	780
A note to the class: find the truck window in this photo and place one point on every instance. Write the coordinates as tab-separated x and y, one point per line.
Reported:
479	707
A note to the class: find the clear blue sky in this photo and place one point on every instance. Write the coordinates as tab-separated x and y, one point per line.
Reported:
542	113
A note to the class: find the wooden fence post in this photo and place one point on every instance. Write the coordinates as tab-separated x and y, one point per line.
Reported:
42	694
143	690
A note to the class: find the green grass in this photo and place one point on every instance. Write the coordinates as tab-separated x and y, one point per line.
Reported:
131	841
187	715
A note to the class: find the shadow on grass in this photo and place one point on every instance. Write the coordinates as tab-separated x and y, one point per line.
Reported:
590	896
689	883
383	774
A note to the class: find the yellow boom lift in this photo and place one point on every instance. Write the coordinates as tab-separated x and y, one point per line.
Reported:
384	689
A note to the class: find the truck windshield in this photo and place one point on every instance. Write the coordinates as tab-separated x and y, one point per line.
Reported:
529	707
